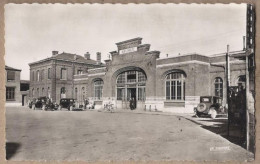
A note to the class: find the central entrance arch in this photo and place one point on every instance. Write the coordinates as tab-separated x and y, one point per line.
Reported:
131	85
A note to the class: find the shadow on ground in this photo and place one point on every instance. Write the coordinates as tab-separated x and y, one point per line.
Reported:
11	149
220	127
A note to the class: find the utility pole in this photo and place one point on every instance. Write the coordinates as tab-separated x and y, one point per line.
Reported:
227	85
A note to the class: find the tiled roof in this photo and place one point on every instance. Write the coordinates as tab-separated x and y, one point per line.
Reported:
71	57
11	68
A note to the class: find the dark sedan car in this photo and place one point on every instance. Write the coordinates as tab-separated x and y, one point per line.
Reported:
44	103
67	103
210	106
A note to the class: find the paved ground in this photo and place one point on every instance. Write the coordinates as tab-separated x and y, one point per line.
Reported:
100	136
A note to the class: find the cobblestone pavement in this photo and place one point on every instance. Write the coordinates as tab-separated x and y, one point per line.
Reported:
103	136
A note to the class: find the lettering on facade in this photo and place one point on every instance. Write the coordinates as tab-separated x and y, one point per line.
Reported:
128	50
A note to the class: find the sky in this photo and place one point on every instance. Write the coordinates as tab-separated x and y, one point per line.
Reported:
33	31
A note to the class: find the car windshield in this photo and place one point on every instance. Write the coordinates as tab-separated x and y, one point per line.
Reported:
205	99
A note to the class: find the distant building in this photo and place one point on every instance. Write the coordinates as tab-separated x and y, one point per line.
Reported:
172	84
54	76
16	89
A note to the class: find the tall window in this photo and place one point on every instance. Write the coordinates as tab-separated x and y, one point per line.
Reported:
10	75
38	75
218	87
42	75
175	86
10	91
33	94
49	92
33	76
76	93
37	92
63	74
63	92
49	73
98	87
43	92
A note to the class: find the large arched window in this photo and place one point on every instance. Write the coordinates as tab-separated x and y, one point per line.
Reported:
175	86
98	88
131	84
218	87
63	92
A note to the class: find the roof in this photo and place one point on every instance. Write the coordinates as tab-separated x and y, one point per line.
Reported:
69	57
11	68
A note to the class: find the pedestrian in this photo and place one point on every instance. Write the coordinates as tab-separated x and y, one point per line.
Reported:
131	103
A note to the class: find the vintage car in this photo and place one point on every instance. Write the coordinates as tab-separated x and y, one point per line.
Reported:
67	103
44	103
210	106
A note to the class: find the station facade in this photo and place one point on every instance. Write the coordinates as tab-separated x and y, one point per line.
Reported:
172	84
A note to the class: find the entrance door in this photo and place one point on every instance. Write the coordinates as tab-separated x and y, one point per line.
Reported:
131	93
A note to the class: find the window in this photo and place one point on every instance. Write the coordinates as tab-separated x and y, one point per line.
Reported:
63	74
98	88
10	75
131	84
76	93
175	86
63	92
79	72
218	87
33	94
10	92
37	92
42	75
32	75
43	90
49	73
49	92
38	75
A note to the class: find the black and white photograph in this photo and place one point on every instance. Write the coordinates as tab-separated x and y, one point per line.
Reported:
130	82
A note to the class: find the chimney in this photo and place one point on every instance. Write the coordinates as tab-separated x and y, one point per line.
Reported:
55	53
98	57
244	43
87	55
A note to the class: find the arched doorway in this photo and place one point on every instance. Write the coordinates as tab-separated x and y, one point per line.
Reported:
131	84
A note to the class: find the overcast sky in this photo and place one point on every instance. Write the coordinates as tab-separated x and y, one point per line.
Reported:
33	31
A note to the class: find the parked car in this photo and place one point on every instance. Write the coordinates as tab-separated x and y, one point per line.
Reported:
44	103
210	106
67	103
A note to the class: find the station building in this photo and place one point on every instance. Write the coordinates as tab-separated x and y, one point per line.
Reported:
172	84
